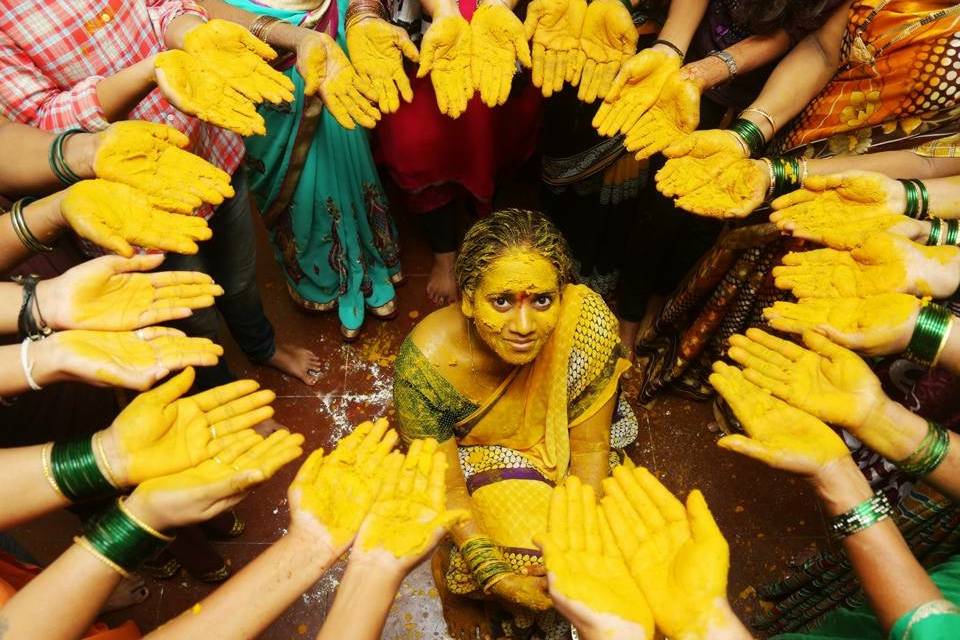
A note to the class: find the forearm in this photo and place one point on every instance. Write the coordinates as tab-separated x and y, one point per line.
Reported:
24	490
748	54
11	297
62	602
120	93
176	31
31	173
361	605
590	447
44	220
893	580
438	8
281	35
682	21
252	599
899	164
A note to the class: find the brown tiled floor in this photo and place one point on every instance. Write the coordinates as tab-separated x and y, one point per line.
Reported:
768	517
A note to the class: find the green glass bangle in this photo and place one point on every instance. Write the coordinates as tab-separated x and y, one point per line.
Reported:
57	162
751	134
786	174
912	197
864	515
121	539
928	335
924	195
931	452
936	232
953	232
74	468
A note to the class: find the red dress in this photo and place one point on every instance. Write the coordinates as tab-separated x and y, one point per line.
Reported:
434	158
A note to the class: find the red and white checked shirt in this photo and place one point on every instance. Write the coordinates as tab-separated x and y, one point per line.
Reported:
53	54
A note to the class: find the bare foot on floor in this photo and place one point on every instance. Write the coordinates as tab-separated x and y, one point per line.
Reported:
442	285
131	591
268	426
299	362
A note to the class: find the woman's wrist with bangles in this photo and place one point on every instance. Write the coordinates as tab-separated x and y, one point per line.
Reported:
360	10
79	152
930	334
123	536
485	561
784	174
841	486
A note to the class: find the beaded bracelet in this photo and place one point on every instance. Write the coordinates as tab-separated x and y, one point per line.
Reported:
121	539
29	240
75	471
952	236
57	162
936	233
930	453
864	515
485	562
929	335
750	133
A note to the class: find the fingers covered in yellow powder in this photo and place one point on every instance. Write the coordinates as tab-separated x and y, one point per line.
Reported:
554	28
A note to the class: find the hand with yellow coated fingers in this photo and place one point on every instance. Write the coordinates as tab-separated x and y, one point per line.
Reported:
675	114
117	217
697	159
446	53
332	494
240	58
778	434
733	193
377	49
327	70
843	210
195	88
875	325
409	515
161	432
110	294
131	359
676	554
153	158
554	28
589	580
607	41
885	263
499	41
634	90
211	487
825	380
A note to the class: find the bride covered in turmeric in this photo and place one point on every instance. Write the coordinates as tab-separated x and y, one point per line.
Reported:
519	383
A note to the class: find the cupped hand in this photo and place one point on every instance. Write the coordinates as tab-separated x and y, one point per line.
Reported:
377	49
109	294
326	69
825	380
153	158
697	159
676	554
195	88
875	325
215	485
498	42
160	432
115	217
240	58
332	494
778	434
131	360
733	193
554	28
634	90
675	114
409	515
843	210
607	41
588	576
885	263
446	53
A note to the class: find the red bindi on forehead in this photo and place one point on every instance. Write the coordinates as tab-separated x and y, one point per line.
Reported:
523	296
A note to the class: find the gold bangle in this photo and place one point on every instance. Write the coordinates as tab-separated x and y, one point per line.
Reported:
262	26
106	469
83	542
47	465
143	525
803	169
771	176
743	144
767	116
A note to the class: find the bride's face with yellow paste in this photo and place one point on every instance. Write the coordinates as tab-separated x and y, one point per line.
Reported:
516	305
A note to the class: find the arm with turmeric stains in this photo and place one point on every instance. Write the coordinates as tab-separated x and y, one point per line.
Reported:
750	53
590	447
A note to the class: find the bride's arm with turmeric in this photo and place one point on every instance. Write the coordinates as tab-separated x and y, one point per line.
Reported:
590	447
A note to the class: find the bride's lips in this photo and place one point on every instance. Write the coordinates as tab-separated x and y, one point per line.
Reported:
521	345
